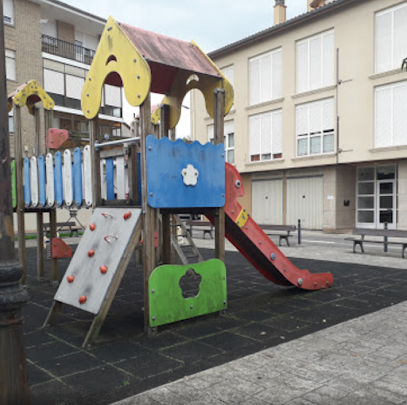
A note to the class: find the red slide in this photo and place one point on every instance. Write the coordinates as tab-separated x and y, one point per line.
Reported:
247	236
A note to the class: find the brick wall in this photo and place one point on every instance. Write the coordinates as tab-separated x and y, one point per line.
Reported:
66	32
25	39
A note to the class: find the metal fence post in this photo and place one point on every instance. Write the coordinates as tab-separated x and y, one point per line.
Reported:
299	231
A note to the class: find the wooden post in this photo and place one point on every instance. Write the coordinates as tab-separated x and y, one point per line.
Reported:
39	214
94	135
148	212
166	225
53	234
48	118
18	156
219	114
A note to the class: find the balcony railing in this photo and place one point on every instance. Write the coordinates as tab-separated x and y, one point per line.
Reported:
67	50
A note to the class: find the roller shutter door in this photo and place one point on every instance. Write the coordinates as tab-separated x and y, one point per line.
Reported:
305	202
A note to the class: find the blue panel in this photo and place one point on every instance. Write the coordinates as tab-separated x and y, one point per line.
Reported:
77	177
166	163
109	179
42	181
27	184
59	188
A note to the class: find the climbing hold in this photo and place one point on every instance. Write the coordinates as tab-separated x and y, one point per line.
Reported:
127	215
92	226
91	253
70	279
103	269
82	299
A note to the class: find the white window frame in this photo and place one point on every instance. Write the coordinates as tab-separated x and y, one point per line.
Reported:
8	12
309	133
396	112
275	77
11	122
380	46
229	134
326	76
11	67
275	135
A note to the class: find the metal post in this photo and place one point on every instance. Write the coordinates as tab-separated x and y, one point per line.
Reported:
299	231
385	238
13	369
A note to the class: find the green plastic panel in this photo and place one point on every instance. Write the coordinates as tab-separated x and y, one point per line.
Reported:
14	183
167	304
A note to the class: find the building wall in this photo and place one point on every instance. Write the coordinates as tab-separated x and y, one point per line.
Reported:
354	38
24	38
402	195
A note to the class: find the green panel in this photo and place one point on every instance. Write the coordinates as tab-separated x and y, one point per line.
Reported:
165	295
14	183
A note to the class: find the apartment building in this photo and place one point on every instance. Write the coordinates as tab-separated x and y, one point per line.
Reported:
319	124
54	43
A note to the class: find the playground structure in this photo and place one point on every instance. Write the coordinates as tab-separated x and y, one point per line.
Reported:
169	177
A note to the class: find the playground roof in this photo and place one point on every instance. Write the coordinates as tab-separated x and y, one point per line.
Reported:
166	56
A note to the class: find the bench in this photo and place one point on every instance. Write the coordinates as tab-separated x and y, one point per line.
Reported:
205	226
63	226
283	231
385	233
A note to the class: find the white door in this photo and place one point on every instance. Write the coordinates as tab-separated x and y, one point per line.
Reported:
386	204
267	201
305	202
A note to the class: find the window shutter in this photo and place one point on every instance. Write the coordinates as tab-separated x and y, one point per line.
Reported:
383	118
328	77
112	96
277	72
74	86
400	37
8	10
302	120
254	136
254	81
383	42
54	82
265	74
328	115
400	115
11	64
302	67
277	146
228	129
315	50
266	134
50	29
315	118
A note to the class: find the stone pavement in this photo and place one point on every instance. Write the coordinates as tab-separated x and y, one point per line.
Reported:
361	361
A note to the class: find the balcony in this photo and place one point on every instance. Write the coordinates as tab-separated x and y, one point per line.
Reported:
67	50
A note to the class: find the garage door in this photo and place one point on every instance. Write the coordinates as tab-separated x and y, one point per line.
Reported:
305	202
267	201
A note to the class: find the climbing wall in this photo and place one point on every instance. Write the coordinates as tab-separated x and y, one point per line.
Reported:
98	257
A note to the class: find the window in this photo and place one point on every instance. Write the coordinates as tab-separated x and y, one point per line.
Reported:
391	115
11	65
8	12
11	122
229	140
265	77
266	136
315	123
391	38
315	62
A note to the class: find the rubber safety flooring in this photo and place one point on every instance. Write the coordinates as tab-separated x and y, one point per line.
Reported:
124	362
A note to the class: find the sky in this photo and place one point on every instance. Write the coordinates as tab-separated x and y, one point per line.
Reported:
212	24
